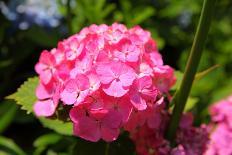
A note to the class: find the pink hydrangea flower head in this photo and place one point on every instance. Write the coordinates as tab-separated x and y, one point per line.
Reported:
111	77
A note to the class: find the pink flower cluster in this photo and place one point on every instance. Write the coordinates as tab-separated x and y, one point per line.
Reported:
221	136
111	76
190	140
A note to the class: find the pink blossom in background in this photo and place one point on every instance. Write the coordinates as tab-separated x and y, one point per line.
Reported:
189	140
112	77
221	134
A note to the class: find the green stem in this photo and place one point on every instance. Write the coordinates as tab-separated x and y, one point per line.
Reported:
107	148
180	98
69	16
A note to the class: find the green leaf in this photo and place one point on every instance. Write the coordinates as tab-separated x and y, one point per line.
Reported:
47	139
108	9
198	76
7	113
59	126
143	15
191	102
25	95
9	144
202	74
3	153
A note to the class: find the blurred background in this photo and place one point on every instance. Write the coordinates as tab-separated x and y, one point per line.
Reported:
29	26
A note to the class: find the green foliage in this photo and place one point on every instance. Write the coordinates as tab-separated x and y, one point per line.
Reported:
7	113
191	102
61	127
46	140
42	142
8	146
25	95
133	16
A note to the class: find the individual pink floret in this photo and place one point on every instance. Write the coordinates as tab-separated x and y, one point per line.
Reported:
46	66
142	91
94	128
116	77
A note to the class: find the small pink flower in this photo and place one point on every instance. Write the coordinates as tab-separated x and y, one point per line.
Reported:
164	78
46	66
127	51
82	66
142	91
116	78
76	90
94	129
72	48
48	102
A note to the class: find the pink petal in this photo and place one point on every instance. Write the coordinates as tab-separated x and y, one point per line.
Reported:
44	108
138	102
115	89
105	73
121	56
81	97
125	108
47	58
137	119
42	92
82	82
68	97
75	113
154	120
109	134
87	129
128	75
46	76
82	66
144	82
40	67
133	57
112	120
94	82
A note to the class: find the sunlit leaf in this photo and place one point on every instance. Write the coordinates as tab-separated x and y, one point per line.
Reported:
191	102
25	95
202	74
59	126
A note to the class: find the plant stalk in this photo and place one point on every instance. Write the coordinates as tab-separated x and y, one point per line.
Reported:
181	95
69	17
